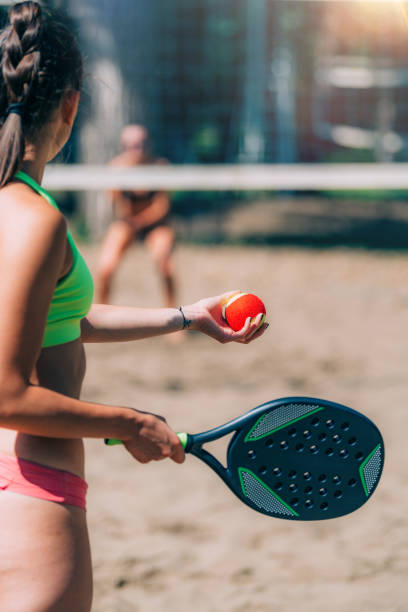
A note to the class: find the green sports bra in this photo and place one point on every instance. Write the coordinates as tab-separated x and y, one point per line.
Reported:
73	294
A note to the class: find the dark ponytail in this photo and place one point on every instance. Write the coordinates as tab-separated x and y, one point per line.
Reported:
40	61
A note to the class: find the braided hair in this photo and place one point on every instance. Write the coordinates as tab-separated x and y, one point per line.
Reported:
39	62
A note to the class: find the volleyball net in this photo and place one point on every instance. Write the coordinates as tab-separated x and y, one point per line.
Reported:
245	99
228	177
310	204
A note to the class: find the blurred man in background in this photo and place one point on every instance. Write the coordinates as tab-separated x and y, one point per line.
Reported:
140	215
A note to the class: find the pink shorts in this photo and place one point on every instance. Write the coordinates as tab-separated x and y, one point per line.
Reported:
35	480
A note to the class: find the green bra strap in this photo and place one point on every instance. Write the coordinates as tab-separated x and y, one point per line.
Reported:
34	185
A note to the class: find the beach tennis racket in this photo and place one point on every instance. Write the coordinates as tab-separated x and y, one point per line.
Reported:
296	458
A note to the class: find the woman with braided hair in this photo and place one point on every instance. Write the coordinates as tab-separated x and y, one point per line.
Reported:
46	316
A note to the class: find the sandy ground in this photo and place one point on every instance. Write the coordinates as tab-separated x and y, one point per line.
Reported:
173	538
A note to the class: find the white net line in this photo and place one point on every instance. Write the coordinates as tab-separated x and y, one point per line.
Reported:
291	177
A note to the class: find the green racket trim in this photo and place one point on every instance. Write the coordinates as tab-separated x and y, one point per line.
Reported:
112	442
363	465
248	437
265	486
183	437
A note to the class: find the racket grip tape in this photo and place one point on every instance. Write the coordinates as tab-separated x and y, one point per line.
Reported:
183	437
112	441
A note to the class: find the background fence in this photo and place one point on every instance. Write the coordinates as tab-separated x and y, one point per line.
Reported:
224	82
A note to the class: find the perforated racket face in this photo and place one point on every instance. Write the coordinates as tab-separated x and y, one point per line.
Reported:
306	460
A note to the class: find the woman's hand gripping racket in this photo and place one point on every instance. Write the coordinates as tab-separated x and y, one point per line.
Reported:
297	458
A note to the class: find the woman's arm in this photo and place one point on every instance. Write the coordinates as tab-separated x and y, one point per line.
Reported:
106	323
32	254
41	412
153	213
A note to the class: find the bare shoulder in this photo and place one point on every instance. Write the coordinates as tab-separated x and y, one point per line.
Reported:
26	219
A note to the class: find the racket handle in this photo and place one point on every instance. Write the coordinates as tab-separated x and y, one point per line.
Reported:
112	441
183	437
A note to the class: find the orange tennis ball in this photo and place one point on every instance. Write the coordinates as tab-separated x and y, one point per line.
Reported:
237	308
